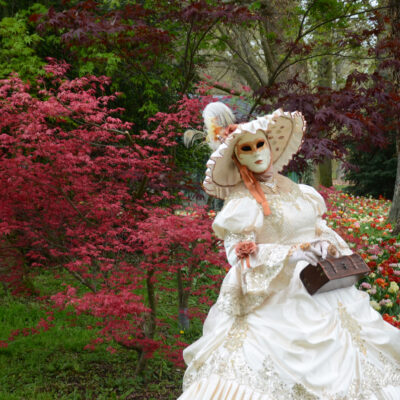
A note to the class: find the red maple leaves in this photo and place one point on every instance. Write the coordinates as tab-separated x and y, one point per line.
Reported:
80	192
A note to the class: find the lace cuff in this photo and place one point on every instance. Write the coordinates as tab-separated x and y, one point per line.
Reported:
245	289
271	261
254	286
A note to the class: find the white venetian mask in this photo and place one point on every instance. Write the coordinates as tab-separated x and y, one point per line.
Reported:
254	152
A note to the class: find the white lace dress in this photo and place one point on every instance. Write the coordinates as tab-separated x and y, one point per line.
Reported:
266	338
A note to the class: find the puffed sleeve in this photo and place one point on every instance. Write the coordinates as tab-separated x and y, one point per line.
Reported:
241	216
247	286
322	230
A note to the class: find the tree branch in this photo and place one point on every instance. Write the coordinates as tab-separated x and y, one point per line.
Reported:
196	44
249	65
315	27
301	35
337	54
185	55
75	208
226	90
84	122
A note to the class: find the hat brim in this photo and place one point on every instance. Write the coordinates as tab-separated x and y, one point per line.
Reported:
284	131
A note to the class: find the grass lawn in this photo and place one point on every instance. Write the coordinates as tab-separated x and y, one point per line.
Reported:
54	364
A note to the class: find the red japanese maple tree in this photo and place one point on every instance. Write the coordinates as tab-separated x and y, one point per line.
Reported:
80	196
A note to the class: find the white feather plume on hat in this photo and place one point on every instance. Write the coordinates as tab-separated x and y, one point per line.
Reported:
216	116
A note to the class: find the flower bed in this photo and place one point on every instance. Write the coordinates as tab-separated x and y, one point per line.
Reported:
362	223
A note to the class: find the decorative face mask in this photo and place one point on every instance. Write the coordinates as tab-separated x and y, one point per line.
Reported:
254	152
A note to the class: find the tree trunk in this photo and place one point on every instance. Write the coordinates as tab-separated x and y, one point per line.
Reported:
325	173
394	214
183	300
325	76
150	323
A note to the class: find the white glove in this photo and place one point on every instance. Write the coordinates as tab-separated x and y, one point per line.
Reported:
303	255
322	248
311	252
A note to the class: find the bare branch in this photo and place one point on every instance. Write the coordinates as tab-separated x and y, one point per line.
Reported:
189	69
315	27
187	45
303	20
227	69
226	90
337	54
244	61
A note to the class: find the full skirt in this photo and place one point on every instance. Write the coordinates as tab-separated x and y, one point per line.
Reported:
331	346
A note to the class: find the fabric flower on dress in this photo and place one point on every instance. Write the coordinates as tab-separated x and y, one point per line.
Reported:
243	251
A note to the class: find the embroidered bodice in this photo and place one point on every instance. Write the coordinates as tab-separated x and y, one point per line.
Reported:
296	217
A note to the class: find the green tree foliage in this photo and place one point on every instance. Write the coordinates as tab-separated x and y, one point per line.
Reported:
374	173
18	45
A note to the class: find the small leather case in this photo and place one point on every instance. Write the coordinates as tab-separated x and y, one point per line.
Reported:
333	273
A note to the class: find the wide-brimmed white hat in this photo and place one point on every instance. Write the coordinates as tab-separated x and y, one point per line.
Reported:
284	131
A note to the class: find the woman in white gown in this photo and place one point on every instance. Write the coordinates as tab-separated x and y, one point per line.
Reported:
266	338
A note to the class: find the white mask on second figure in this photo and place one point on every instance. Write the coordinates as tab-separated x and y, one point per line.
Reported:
253	151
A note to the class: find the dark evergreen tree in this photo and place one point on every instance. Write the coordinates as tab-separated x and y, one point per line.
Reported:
372	173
